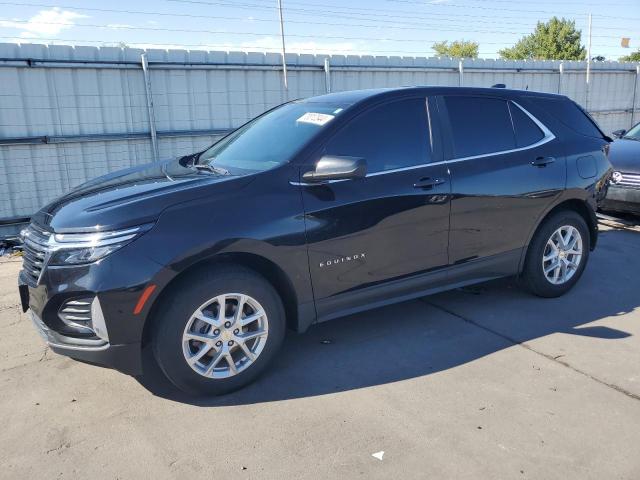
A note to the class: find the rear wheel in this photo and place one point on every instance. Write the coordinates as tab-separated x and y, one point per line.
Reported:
557	254
219	331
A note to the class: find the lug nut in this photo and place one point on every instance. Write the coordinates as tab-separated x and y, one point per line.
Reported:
236	331
218	343
227	324
216	332
230	343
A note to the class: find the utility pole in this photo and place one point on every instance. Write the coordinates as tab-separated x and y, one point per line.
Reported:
284	61
586	103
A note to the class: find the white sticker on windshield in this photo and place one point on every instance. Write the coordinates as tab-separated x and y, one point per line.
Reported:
316	118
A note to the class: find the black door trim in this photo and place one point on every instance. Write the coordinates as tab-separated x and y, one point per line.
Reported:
415	286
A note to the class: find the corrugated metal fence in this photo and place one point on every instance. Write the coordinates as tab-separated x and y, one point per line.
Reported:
68	114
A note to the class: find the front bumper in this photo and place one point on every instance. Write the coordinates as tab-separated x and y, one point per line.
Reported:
125	358
622	199
117	282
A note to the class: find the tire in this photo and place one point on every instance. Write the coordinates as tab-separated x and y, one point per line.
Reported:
533	275
177	324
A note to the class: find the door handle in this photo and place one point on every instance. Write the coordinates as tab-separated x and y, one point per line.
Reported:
427	183
543	161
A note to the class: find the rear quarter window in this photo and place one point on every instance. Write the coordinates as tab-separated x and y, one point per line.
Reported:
570	114
527	132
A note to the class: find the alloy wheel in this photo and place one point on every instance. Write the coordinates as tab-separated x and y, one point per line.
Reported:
562	255
225	335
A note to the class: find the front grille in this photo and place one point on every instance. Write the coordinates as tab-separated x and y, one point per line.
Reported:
36	248
629	180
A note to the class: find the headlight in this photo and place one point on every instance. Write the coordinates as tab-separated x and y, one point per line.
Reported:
77	248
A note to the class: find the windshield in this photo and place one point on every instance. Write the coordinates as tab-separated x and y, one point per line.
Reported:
271	139
634	133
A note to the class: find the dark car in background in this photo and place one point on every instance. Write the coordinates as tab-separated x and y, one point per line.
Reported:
624	192
314	210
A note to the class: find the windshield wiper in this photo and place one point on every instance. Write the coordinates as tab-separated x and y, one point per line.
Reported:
210	168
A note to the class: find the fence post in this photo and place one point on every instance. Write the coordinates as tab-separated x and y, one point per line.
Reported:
635	89
561	73
588	85
460	73
149	97
327	75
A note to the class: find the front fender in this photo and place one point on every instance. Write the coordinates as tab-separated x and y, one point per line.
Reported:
264	220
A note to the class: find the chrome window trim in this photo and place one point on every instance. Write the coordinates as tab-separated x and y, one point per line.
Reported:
311	184
402	169
548	136
374	174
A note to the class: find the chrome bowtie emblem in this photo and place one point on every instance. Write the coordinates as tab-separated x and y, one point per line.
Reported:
616	177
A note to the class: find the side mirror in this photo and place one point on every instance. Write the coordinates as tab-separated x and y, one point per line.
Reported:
619	133
332	167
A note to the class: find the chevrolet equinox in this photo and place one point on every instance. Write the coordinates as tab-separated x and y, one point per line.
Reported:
316	209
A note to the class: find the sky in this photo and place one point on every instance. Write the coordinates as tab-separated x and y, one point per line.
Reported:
374	27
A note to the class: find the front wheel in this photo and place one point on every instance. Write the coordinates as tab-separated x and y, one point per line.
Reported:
219	331
557	255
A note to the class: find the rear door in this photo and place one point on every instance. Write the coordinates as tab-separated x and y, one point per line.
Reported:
391	224
506	168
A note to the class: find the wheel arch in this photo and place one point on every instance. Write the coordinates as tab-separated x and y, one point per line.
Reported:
573	204
261	265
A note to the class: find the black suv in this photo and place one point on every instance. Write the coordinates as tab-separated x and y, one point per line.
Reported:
316	209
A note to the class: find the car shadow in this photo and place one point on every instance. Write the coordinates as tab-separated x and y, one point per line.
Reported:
436	333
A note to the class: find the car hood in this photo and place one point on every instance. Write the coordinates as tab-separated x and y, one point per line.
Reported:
132	196
624	155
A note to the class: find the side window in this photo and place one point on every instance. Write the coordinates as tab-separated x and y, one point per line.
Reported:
527	132
388	136
479	125
570	114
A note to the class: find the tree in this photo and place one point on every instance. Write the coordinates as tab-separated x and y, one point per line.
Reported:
457	49
632	57
556	39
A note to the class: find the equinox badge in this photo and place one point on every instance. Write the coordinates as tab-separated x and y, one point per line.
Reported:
335	261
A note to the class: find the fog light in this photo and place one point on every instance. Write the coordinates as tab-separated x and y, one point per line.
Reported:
76	314
84	316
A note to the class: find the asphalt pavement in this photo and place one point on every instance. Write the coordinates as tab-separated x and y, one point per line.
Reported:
483	382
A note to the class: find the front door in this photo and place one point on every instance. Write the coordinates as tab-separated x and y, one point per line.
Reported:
390	225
